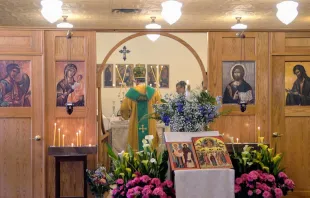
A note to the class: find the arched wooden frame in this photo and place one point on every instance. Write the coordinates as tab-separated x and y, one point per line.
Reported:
103	64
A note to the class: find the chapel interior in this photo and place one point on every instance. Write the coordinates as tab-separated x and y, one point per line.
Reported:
68	67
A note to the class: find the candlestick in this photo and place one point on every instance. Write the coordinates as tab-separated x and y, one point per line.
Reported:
63	140
72	144
58	136
261	140
258	134
77	139
54	143
80	137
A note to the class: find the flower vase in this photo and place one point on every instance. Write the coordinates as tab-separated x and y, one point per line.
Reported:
98	195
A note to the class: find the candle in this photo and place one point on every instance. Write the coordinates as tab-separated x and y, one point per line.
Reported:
261	140
113	85
80	137
58	136
54	144
237	140
258	134
77	139
89	145
72	144
187	82
63	140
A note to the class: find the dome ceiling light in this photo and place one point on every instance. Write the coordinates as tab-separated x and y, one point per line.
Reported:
153	26
287	11
171	11
51	10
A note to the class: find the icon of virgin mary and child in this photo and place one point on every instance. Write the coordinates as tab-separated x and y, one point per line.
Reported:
70	90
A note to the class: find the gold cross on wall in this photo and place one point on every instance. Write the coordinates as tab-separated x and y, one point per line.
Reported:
142	128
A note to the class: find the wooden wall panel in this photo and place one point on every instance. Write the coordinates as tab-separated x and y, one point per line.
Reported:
22	157
290	121
83	46
236	127
225	46
21	42
15	156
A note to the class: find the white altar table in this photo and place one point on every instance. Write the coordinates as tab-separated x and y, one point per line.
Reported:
205	183
201	183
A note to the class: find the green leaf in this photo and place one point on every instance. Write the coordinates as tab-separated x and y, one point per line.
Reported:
110	152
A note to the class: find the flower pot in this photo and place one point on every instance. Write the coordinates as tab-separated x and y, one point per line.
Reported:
99	196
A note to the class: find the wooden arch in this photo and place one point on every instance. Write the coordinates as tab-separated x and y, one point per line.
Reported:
102	155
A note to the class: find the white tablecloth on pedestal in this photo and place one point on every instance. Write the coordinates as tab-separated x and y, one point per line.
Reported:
205	183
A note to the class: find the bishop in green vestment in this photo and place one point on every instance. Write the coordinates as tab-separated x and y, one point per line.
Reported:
139	102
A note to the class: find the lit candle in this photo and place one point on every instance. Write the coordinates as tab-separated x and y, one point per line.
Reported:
113	85
80	137
58	136
72	144
54	144
258	134
63	140
89	145
77	139
237	140
150	85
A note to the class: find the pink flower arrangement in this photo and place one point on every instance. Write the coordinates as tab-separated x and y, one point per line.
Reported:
144	187
258	184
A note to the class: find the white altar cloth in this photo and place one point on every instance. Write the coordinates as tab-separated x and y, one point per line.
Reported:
204	183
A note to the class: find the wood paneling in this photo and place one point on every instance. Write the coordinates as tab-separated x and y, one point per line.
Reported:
15	156
22	158
291	121
83	46
237	127
225	46
21	42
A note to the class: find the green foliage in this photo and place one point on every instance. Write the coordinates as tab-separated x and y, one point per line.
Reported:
263	159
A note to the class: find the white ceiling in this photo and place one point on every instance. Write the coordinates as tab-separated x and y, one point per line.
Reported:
197	14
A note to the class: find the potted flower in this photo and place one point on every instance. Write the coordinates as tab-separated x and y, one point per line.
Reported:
258	173
149	162
99	181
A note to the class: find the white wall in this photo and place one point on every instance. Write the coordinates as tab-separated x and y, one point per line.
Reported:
183	65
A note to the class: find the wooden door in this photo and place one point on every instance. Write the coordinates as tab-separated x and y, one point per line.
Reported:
21	157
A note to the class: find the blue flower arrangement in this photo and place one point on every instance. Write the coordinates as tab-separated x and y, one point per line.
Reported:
189	113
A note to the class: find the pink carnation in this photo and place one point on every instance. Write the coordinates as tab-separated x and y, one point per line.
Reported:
278	192
136	180
145	178
147	191
156	182
250	178
237	188
267	194
239	181
258	191
168	183
282	175
271	178
159	192
244	177
120	181
290	184
115	191
250	192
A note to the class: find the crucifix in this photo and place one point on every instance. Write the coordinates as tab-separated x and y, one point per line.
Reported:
124	51
142	128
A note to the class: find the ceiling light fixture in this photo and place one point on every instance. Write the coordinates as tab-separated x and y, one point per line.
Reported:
239	25
51	10
171	11
153	25
287	11
64	24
